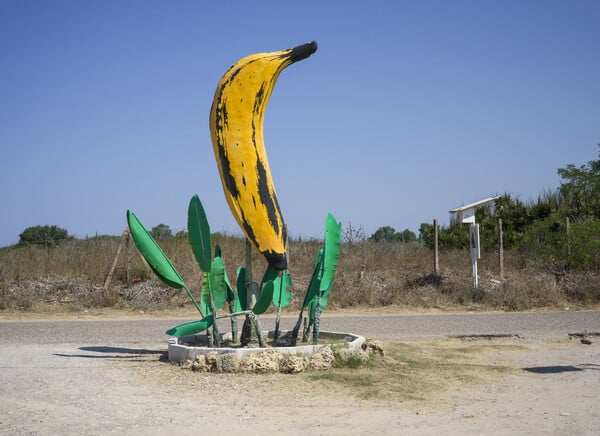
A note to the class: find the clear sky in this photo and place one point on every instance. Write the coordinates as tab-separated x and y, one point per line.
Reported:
407	109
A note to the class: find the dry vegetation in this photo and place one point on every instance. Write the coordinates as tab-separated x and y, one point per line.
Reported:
71	276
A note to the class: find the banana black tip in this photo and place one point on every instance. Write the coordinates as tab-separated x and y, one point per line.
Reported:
276	260
303	51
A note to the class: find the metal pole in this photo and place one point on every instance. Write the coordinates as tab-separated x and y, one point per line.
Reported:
436	253
501	249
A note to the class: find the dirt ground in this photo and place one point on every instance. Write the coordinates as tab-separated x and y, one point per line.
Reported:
489	387
450	386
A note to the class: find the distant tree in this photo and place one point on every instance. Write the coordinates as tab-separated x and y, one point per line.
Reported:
408	236
43	235
580	189
389	234
161	231
383	234
182	234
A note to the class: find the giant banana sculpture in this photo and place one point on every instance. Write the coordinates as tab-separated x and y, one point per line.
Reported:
236	127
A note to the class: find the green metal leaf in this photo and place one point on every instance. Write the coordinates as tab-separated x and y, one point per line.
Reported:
315	280
265	299
270	274
241	288
191	328
232	296
156	258
216	285
281	295
333	239
199	233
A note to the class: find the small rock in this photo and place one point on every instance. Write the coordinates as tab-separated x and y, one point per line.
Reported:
318	362
230	362
346	354
292	364
213	361
586	341
375	346
261	362
199	364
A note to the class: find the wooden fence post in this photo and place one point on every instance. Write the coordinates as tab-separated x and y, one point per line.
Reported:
124	237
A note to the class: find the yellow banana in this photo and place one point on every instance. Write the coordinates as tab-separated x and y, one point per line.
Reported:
236	128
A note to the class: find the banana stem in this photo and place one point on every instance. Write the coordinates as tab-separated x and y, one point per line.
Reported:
216	338
278	318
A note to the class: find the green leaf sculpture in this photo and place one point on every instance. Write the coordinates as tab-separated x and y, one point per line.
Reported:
242	293
214	281
156	258
315	280
264	300
270	274
333	240
281	295
191	328
329	262
199	233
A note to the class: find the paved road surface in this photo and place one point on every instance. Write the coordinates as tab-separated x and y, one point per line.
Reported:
544	325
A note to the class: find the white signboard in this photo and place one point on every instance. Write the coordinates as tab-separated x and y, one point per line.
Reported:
468	216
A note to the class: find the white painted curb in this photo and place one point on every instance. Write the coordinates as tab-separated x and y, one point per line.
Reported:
179	352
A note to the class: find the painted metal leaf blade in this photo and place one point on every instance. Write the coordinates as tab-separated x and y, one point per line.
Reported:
154	255
217	285
270	274
281	294
199	233
264	300
315	280
333	239
191	328
241	288
205	294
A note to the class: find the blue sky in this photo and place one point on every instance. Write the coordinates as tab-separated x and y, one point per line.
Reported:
407	109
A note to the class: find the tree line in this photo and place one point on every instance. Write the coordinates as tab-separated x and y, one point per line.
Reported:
561	226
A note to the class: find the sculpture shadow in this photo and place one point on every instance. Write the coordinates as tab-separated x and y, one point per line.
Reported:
557	369
115	353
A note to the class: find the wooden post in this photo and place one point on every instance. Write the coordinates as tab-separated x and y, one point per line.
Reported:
116	259
128	255
436	253
500	249
568	224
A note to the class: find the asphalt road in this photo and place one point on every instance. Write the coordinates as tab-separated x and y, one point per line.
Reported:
545	325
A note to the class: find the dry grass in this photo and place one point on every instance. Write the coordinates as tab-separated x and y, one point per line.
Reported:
72	276
413	371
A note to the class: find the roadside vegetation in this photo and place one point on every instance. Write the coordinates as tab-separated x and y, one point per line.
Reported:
551	260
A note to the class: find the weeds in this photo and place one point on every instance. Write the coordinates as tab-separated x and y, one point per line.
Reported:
369	274
411	371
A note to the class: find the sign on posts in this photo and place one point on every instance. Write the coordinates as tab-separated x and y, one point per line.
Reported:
466	215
